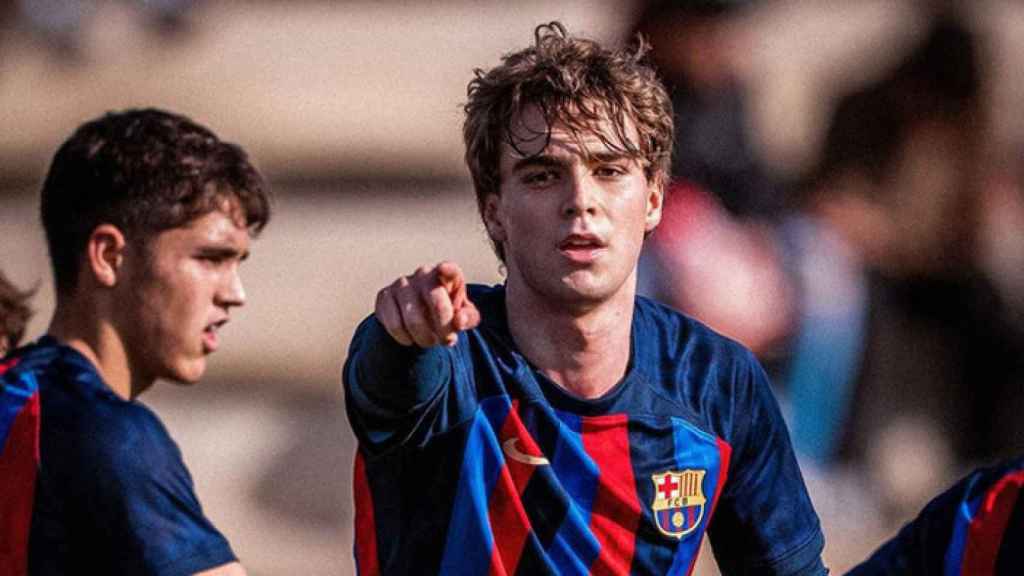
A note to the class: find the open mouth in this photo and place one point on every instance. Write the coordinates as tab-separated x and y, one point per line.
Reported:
582	248
210	339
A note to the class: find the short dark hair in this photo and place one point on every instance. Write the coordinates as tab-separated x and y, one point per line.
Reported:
144	171
577	83
14	311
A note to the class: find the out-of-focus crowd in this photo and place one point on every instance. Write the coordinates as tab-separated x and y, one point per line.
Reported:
880	282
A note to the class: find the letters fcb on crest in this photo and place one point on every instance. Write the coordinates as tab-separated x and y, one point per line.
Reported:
679	501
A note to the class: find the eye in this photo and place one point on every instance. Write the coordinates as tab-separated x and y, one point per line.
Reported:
540	178
610	171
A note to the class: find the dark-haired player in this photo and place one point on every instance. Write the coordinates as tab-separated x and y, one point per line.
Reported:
148	217
559	424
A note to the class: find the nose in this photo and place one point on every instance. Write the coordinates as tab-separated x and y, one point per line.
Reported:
580	199
232	293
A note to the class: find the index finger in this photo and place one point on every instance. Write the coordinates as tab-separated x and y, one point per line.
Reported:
449	275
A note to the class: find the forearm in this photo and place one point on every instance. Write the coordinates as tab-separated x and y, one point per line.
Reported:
389	387
232	569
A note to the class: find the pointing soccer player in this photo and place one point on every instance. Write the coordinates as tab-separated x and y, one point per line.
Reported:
148	217
559	423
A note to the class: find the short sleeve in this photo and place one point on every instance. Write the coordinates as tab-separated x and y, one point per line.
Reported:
765	522
129	502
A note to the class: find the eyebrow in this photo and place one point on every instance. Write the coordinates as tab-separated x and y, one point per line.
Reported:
547	160
222	252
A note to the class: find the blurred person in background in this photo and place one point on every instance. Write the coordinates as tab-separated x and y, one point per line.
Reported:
61	24
14	314
558	423
904	365
148	216
715	255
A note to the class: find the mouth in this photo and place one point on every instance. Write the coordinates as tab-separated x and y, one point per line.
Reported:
210	339
582	248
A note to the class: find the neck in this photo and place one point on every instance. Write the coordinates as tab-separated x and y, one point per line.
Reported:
584	349
96	339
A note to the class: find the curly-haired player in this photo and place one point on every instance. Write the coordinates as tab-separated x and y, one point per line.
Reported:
559	424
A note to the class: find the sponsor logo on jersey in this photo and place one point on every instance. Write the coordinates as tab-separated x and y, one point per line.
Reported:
512	450
678	501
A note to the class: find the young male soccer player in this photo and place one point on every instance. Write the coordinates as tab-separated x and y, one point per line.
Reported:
559	424
148	217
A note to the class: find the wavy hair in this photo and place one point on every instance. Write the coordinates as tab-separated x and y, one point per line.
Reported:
577	84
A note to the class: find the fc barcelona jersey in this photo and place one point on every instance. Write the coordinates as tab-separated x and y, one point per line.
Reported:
472	462
975	528
91	483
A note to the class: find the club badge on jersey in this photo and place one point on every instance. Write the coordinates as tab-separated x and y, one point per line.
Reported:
679	501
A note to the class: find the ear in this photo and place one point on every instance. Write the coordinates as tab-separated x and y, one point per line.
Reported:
493	219
655	200
104	252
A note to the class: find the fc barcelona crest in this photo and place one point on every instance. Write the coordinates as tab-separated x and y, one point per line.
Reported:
678	501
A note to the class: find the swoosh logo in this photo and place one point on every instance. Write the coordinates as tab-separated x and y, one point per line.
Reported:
513	452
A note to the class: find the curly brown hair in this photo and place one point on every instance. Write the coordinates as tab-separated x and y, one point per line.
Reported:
14	312
144	171
577	84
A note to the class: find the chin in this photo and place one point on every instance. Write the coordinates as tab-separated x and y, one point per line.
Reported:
188	374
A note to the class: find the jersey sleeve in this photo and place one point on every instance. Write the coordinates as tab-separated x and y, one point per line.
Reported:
399	395
129	503
974	527
764	523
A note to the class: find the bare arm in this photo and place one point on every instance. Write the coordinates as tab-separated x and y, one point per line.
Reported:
232	569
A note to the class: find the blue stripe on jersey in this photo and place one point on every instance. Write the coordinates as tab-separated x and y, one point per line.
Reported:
470	541
15	394
692	452
574	548
965	514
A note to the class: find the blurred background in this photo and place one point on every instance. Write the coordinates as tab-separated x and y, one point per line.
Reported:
847	202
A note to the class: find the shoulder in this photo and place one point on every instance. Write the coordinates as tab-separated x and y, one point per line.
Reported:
107	436
684	342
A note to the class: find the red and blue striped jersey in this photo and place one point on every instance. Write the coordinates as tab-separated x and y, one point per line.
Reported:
19	460
975	528
472	462
91	483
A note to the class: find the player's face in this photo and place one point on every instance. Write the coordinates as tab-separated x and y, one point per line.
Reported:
178	294
571	220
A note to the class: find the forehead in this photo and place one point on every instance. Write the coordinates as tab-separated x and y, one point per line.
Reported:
224	227
531	134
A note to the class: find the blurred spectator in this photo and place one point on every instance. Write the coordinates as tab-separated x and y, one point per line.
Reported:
14	314
714	256
696	46
60	23
904	363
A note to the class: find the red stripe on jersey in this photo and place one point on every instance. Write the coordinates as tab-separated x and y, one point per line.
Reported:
19	461
724	454
509	523
616	509
985	533
365	526
5	366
